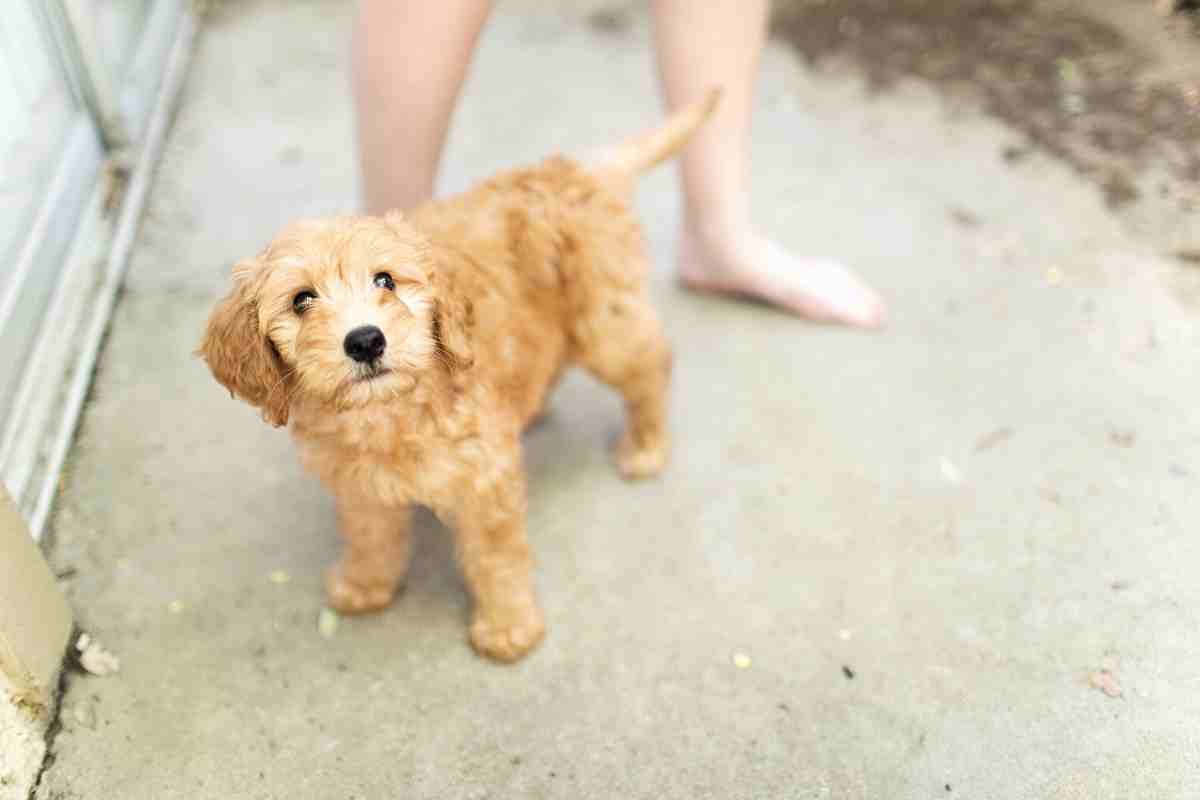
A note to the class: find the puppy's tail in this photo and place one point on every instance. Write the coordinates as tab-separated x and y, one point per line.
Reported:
650	148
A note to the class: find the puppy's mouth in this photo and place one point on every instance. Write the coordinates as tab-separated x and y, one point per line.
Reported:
369	372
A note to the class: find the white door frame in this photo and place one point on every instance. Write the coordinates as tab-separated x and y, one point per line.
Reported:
55	305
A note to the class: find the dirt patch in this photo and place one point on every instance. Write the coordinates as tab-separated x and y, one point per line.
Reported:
611	21
1072	84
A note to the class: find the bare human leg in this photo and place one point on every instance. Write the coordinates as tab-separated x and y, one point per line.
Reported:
410	59
702	43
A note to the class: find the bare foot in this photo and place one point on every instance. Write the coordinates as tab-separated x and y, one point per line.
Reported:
753	266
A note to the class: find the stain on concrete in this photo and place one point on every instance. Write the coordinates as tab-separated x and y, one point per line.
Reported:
1072	84
616	21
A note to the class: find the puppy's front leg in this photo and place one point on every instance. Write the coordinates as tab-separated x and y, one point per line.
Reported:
375	556
490	536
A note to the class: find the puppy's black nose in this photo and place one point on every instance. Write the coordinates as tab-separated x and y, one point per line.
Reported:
365	344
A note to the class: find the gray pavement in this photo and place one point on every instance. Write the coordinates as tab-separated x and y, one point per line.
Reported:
922	542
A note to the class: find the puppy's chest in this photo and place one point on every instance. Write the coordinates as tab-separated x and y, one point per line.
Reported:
393	461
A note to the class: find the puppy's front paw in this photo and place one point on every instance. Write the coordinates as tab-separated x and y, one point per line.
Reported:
350	597
509	634
640	461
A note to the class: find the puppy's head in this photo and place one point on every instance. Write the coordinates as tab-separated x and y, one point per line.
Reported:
343	311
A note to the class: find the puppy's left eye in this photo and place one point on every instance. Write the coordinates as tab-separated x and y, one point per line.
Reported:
384	281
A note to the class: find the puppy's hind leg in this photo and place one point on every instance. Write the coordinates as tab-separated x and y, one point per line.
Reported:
620	340
375	557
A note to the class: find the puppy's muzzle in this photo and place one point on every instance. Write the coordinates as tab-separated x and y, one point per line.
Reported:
365	344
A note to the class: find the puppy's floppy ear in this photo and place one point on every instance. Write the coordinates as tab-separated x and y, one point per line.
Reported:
240	356
453	322
453	315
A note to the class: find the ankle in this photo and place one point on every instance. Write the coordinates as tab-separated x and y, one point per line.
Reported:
721	238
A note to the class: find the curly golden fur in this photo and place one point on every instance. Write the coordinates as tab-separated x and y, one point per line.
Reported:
473	308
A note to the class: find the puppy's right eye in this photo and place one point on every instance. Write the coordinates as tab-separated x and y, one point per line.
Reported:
302	301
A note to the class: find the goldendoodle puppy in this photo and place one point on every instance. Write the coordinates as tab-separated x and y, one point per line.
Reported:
408	352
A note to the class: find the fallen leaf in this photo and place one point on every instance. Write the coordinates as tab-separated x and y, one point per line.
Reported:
988	441
279	577
1106	682
327	623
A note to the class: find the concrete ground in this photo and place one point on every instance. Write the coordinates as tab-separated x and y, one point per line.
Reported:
879	566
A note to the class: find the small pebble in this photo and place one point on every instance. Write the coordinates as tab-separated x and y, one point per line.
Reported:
93	658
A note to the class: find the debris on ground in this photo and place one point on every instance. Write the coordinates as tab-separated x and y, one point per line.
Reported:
279	577
849	673
1051	495
950	472
1122	438
990	440
1105	681
92	658
327	623
741	660
175	607
965	218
